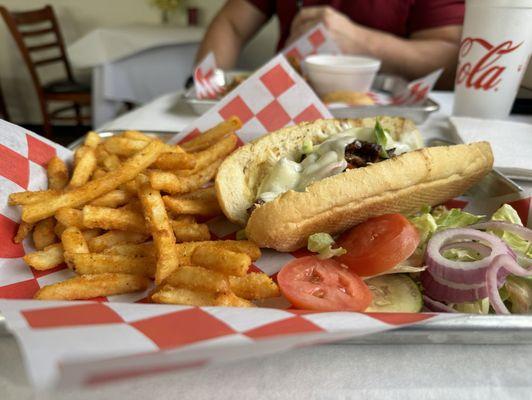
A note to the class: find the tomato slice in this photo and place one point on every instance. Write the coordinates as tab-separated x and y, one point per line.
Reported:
324	285
378	244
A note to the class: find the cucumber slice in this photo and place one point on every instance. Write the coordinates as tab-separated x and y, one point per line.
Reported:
394	293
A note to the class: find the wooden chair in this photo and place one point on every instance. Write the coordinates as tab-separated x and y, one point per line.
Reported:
3	107
30	26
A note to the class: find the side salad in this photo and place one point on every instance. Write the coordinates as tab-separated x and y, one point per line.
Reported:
444	260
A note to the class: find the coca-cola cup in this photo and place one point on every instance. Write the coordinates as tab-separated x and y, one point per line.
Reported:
494	54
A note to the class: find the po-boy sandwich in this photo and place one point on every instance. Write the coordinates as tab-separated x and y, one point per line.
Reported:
331	174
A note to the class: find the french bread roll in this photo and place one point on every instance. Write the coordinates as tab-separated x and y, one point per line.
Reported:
400	184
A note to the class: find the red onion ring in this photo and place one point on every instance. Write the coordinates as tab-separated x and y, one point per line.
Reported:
506	262
480	248
522	231
461	271
437	306
451	292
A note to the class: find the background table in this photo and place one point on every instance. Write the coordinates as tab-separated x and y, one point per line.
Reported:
134	64
324	372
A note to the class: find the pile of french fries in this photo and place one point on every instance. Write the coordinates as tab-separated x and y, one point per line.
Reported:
127	215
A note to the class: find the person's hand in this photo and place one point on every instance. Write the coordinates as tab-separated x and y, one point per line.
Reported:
348	35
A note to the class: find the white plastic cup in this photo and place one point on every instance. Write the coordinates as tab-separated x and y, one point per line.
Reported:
328	73
494	54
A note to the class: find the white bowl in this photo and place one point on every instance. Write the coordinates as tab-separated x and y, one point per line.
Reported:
328	73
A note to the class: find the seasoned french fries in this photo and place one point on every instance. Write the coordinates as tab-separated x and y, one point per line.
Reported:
113	199
85	166
254	286
132	249
126	215
185	231
123	146
92	139
113	218
24	198
57	173
229	299
197	278
48	258
218	259
43	233
99	263
175	161
211	136
160	228
70	217
136	135
89	286
202	207
111	162
173	184
112	238
79	196
207	157
23	230
185	250
73	241
170	295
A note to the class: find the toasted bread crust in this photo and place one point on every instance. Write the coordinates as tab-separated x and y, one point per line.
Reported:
241	173
402	184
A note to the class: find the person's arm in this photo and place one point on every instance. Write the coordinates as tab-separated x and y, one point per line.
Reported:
422	53
232	27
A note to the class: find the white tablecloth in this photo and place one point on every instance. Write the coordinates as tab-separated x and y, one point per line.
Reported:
134	64
323	372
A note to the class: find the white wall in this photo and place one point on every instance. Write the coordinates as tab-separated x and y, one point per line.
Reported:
78	17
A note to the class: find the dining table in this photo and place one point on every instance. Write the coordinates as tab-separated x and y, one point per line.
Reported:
134	64
328	371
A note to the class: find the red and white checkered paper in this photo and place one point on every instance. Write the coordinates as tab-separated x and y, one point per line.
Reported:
205	83
317	40
62	341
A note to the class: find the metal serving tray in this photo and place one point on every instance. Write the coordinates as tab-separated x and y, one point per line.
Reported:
462	329
383	83
392	85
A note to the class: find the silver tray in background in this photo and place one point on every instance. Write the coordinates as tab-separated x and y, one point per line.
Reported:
462	329
392	85
383	83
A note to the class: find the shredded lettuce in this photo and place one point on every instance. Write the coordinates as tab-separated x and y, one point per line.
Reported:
426	225
507	213
519	294
456	218
307	147
428	221
481	306
382	138
458	254
322	243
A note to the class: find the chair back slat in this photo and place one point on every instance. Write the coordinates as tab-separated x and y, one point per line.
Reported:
37	32
22	26
41	47
45	61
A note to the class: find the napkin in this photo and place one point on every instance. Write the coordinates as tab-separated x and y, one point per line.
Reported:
511	143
